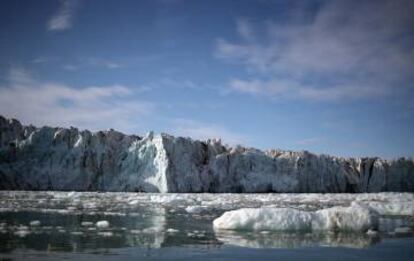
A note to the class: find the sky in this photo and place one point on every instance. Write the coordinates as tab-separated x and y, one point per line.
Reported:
331	77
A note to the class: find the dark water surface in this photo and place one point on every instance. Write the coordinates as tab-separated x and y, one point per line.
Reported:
62	225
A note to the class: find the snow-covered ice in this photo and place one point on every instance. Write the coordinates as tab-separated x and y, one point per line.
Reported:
352	218
49	158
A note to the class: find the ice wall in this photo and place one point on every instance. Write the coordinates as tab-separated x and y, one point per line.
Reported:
69	159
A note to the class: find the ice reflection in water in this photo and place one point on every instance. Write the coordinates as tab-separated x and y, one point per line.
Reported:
152	221
290	240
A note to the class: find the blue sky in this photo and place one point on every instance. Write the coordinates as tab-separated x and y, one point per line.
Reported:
330	77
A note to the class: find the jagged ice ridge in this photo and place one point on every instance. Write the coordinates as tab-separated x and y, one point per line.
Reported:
49	158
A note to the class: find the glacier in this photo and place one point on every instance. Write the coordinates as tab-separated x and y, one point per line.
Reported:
53	158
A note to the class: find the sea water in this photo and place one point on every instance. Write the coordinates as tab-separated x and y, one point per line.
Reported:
145	226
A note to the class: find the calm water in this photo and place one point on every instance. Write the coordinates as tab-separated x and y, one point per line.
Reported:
61	225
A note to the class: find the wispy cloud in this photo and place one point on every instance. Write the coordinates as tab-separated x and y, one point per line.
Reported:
93	62
204	131
99	62
91	107
63	18
348	50
308	141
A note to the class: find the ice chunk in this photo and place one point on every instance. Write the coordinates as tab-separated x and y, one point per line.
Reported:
133	202
35	223
403	230
403	208
86	224
372	233
352	218
22	233
195	209
265	219
102	224
172	230
105	234
153	229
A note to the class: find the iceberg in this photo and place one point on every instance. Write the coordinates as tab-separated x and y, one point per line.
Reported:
68	159
353	218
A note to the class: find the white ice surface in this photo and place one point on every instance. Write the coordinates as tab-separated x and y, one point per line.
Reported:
353	218
69	159
102	224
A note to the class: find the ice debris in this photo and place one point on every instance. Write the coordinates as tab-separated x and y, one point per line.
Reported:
403	230
102	224
35	223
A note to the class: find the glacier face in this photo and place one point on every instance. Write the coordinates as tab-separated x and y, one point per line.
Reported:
69	159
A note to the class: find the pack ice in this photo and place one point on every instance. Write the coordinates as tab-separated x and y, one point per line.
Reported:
49	158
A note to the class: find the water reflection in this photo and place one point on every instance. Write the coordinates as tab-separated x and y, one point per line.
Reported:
61	232
292	240
151	227
67	224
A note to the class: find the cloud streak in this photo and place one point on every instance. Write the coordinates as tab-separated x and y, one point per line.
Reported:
63	18
203	131
348	50
91	107
92	62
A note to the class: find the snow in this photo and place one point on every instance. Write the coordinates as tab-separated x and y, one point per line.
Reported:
352	218
69	159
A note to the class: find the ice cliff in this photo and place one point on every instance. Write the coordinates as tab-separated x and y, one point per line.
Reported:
69	159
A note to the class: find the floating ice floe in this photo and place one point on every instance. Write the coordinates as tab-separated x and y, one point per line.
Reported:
353	218
172	230
403	230
195	209
102	224
401	208
34	223
105	234
86	224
